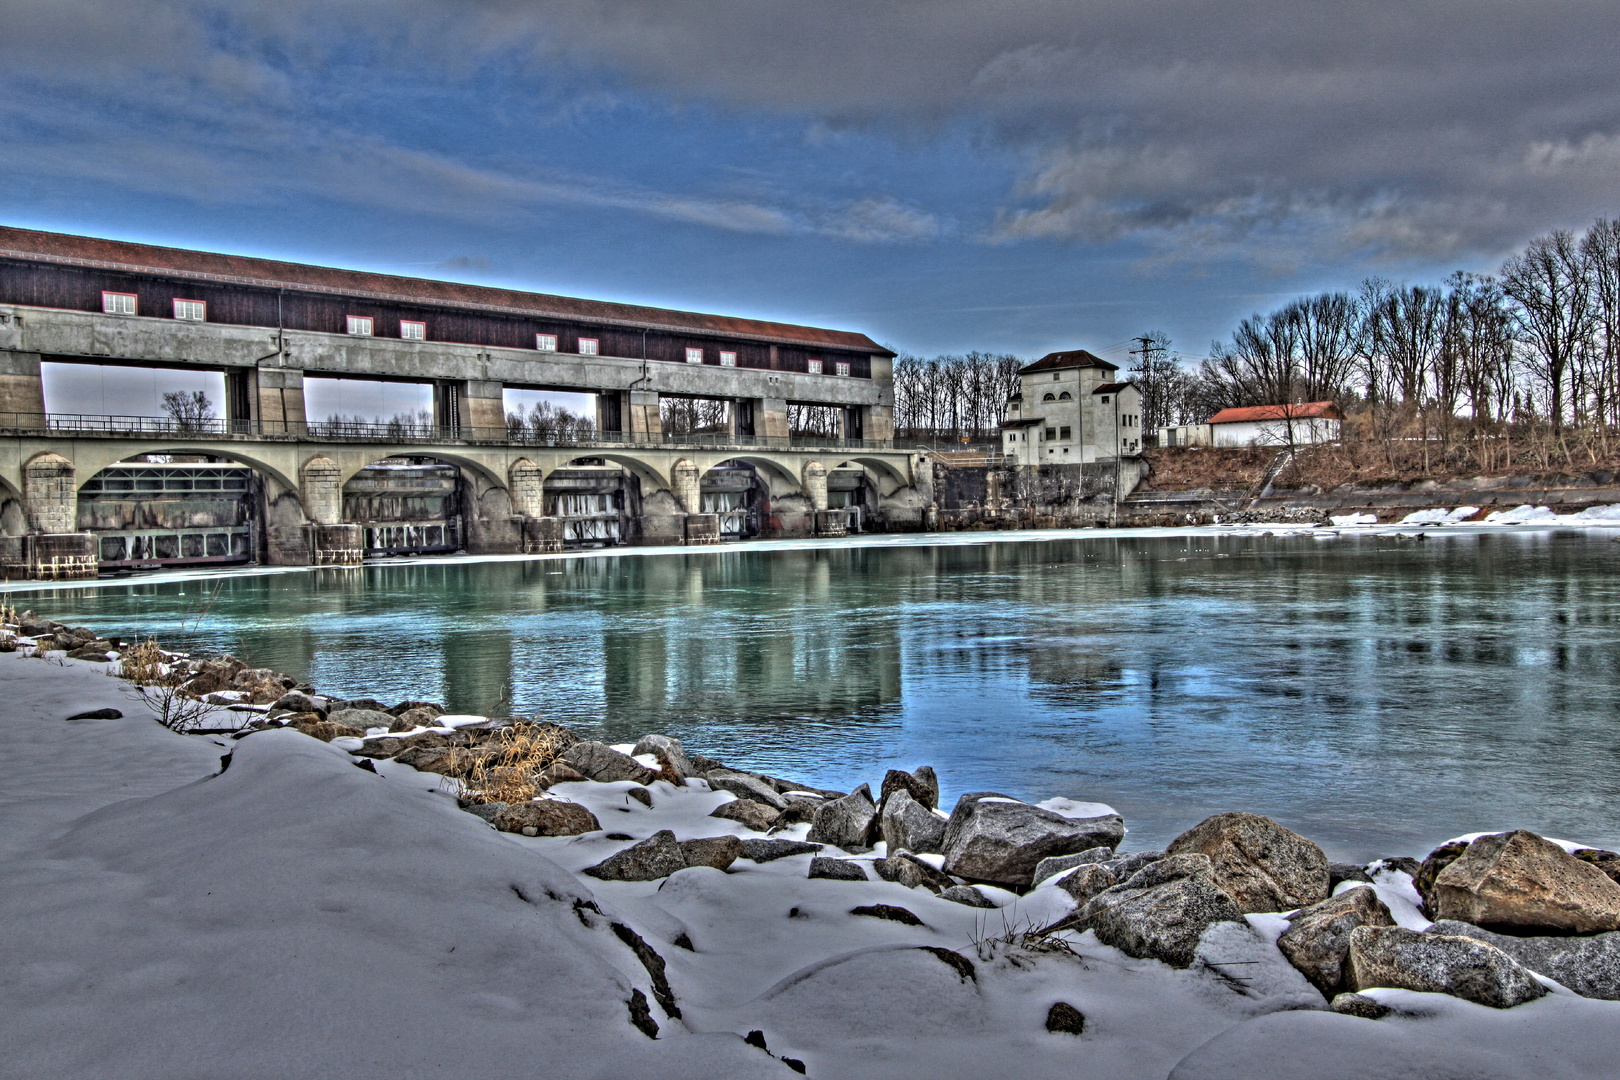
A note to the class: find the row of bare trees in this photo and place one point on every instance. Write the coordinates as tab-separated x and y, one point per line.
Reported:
953	398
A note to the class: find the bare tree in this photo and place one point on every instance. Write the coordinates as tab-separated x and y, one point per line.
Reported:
190	411
1553	313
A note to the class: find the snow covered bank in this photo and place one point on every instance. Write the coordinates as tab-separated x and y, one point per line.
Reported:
297	916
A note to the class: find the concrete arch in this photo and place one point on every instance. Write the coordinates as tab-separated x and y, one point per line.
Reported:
647	472
222	449
352	463
786	473
881	466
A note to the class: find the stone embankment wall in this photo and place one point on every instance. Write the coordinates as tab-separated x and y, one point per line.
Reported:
1031	497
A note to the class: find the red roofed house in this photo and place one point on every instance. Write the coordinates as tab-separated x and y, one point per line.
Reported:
1276	425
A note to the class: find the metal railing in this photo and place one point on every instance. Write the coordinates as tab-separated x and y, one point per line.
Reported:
69	424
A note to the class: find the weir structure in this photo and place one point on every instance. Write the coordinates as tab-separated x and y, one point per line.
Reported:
265	326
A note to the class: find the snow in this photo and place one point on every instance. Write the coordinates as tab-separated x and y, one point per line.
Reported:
296	916
1069	808
1439	516
1354	519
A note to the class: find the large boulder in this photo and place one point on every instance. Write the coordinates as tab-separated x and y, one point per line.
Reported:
658	856
298	702
716	851
1161	912
1054	866
1519	880
1604	860
904	868
1086	881
547	817
1258	863
364	719
921	785
668	748
755	815
1404	959
762	851
907	823
997	839
846	822
836	869
600	762
1317	941
1590	966
745	786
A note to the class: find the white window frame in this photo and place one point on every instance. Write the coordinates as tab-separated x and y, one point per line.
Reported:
190	314
728	359
694	356
110	307
841	368
588	346
814	367
412	330
545	342
361	325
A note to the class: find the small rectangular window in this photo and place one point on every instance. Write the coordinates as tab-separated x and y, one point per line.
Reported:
412	331
815	367
360	324
545	342
191	310
587	346
1063	433
118	303
694	356
841	368
1051	434
1105	399
728	359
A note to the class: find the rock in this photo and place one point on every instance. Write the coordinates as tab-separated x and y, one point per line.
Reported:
372	704
968	896
1317	941
1161	912
922	785
993	838
904	868
90	653
664	746
641	795
600	762
383	746
887	911
1590	966
1438	859
745	786
762	851
98	714
1340	871
549	817
443	760
1606	861
658	856
364	719
214	675
906	823
755	815
1438	964
1399	864
326	730
641	1017
414	718
846	822
1258	863
837	870
1518	879
1359	1005
798	812
489	811
1126	867
1058	863
1064	1019
559	772
412	706
1084	882
716	851
295	701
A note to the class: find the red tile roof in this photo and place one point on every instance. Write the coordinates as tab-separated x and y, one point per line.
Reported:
1074	358
1323	409
64	248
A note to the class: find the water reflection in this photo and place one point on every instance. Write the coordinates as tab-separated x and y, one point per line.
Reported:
1378	694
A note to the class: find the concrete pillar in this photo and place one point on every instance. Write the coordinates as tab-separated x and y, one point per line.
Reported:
877	423
770	417
482	408
684	481
22	394
524	482
643	424
321	482
815	484
50	496
281	401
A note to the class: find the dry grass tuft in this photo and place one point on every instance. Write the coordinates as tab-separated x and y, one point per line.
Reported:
145	665
510	773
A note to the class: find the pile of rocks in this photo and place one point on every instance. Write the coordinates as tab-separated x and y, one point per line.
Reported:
78	642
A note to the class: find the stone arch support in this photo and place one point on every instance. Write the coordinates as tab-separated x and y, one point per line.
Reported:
684	477
525	482
50	495
321	487
814	480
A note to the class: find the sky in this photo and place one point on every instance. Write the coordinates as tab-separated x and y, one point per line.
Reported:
1014	176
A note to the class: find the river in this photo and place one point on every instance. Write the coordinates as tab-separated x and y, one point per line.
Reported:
1378	694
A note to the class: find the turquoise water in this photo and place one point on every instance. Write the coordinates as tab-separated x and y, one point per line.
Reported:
1377	694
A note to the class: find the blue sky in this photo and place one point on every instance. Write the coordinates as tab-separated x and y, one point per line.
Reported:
944	176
